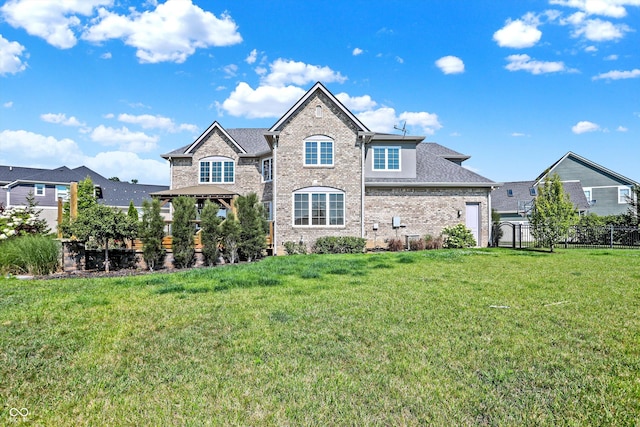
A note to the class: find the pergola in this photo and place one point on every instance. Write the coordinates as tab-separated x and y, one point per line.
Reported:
201	193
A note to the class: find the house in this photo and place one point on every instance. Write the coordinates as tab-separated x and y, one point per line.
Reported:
47	185
319	171
607	191
514	200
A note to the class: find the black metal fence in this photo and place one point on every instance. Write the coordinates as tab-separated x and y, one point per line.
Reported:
519	236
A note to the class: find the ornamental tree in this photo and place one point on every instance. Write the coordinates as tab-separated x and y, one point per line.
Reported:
553	213
210	234
253	226
151	231
183	231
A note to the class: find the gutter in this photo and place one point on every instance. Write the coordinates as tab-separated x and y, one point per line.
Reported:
435	184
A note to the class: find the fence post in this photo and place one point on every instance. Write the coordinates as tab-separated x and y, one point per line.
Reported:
611	237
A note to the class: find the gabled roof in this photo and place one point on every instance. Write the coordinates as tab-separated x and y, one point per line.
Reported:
435	171
10	174
520	192
594	165
249	141
442	151
318	87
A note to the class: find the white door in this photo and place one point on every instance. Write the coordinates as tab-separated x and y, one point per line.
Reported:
472	220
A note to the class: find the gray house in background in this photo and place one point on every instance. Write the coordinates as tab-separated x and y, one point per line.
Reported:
607	191
48	184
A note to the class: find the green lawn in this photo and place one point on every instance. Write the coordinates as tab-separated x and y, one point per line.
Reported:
476	337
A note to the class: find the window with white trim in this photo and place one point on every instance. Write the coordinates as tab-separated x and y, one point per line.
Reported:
386	158
318	151
38	189
63	192
267	169
217	170
318	208
588	193
623	194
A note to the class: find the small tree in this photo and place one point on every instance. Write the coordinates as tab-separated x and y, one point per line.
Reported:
36	225
633	211
253	227
230	237
183	231
458	236
151	233
102	224
210	234
132	213
86	200
496	231
552	214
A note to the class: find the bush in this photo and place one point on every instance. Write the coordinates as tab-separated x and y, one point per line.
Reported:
417	244
339	245
183	231
433	242
293	248
395	245
458	236
151	233
31	254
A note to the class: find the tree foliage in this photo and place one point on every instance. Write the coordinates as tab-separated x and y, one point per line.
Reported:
132	213
210	234
458	236
253	227
183	231
86	200
553	213
633	211
151	233
102	224
230	237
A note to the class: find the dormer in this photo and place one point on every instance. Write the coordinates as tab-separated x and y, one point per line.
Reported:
391	156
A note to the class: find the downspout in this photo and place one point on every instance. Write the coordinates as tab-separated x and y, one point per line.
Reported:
362	186
274	186
489	216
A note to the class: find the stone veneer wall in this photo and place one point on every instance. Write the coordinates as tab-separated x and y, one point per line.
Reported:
423	211
345	175
248	175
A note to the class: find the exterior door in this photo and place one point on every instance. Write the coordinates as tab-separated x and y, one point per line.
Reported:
472	220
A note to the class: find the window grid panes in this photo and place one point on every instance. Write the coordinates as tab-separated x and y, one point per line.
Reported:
311	153
301	209
204	171
326	153
39	189
228	171
318	209
623	194
393	158
336	209
318	153
267	170
313	209
386	158
217	171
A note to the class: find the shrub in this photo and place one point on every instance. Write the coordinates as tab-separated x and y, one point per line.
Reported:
183	231
417	244
458	236
31	254
253	227
151	233
210	234
395	245
339	245
293	248
230	237
433	242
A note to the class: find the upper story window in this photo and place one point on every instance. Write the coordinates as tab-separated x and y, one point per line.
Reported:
62	191
217	170
39	189
386	158
588	194
267	169
318	207
318	151
623	194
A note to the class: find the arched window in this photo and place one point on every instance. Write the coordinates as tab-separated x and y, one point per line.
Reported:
318	151
318	207
217	170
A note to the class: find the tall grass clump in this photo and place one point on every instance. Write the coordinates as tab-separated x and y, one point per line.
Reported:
31	254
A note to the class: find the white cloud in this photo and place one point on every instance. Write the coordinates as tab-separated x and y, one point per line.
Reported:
53	21
283	72
611	58
597	30
148	121
230	70
384	119
524	62
8	104
519	33
622	129
125	139
591	49
253	55
450	65
357	51
617	75
127	166
170	33
30	146
106	55
265	101
518	134
356	103
61	119
585	126
399	60
10	53
611	8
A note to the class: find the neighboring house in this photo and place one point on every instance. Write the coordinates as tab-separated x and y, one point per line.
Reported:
514	200
47	185
607	191
319	171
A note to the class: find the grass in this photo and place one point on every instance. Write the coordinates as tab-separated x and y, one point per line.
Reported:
30	254
466	337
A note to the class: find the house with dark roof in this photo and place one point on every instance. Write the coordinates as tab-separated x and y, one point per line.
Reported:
47	185
319	171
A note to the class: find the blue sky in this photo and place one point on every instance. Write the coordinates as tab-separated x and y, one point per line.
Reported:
112	84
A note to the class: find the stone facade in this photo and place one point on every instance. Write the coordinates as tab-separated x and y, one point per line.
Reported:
292	175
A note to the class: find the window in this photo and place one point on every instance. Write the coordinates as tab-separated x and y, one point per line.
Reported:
319	207
268	214
267	169
386	158
39	189
623	194
588	194
318	151
217	170
62	191
532	191
509	192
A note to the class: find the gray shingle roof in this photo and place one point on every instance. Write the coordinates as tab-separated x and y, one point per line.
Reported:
520	190
251	139
432	168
